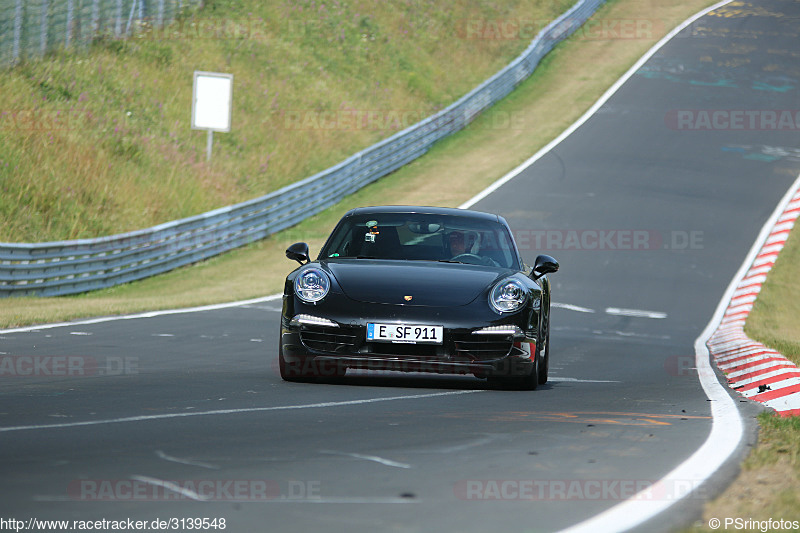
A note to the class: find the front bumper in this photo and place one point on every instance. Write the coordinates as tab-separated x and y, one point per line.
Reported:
463	351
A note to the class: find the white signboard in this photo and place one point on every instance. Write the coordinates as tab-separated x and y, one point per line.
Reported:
212	101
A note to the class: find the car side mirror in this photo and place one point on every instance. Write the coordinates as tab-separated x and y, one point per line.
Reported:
544	264
299	252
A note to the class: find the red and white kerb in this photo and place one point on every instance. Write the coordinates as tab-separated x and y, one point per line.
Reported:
752	369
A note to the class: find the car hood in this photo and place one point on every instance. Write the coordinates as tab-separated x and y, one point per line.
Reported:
427	283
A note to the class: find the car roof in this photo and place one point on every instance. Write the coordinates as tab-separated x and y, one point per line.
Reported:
424	210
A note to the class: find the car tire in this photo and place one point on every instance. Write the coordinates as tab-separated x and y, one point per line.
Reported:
292	371
526	382
544	364
531	381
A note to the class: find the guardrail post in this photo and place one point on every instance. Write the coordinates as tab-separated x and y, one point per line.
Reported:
43	27
17	31
118	19
95	20
70	23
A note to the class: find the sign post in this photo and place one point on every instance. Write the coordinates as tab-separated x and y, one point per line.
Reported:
212	100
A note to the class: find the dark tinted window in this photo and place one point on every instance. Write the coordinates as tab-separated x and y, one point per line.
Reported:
422	237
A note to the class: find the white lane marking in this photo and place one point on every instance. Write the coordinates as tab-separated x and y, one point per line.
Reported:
638	335
149	314
79	333
142	418
264	307
639	313
162	335
173	459
169	485
571	307
617	311
373	458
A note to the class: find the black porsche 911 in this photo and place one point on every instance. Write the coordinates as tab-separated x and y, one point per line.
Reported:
417	289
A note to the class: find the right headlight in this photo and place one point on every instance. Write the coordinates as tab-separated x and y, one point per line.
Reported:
508	296
312	285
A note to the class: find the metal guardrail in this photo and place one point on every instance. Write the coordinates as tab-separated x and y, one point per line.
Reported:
69	267
31	28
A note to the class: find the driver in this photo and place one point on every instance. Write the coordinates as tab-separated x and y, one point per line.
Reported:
467	244
458	243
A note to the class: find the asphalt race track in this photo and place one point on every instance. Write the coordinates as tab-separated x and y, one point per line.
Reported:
650	207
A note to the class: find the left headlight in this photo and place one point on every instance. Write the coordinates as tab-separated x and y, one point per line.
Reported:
311	285
508	296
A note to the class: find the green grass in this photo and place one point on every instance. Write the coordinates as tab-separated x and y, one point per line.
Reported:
98	142
779	444
775	318
768	486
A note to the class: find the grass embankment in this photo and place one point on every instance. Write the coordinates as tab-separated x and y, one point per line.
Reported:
775	318
567	82
768	487
99	142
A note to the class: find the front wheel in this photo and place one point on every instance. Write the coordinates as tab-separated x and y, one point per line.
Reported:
309	369
544	364
530	382
527	382
293	371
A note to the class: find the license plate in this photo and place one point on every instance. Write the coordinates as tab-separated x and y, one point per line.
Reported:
405	333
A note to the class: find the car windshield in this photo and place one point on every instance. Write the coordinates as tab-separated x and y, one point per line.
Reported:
411	236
